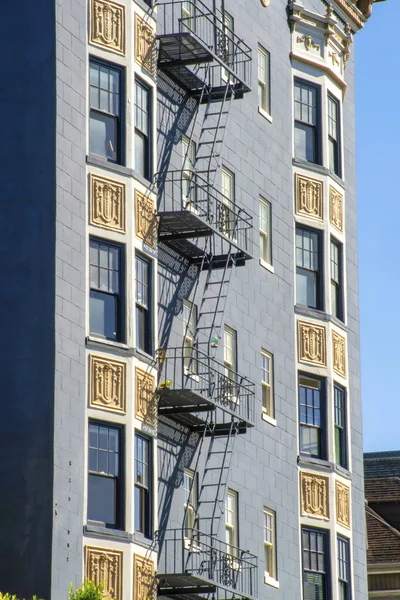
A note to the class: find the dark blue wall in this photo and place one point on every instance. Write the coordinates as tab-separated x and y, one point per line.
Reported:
27	298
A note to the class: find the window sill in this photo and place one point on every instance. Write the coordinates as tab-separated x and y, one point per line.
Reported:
96	342
314	313
142	355
305	164
103	532
268	419
315	463
264	114
271	581
266	265
140	539
342	471
191	546
96	161
191	375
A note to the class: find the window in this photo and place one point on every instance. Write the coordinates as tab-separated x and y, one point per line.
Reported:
336	280
264	101
230	361
269	544
227	44
267	383
333	135
344	568
265	231
340	427
231	537
315	564
312	428
105	290
105	127
143	304
188	12
190	501
308	281
188	187
142	130
104	486
306	124
189	332
226	216
143	521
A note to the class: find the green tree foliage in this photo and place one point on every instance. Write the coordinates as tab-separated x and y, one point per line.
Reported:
87	591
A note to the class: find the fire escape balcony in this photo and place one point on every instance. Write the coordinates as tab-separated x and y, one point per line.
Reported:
198	48
192	383
191	209
190	568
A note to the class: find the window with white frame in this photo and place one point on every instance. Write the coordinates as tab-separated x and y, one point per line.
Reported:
190	502
265	231
227	44
189	332
264	102
231	537
269	544
230	361
188	187
226	220
267	383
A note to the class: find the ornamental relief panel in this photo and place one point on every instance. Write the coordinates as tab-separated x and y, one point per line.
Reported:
145	398
107	203
105	566
339	353
314	496
107	26
107	384
143	577
309	197
145	218
144	45
343	504
336	208
311	344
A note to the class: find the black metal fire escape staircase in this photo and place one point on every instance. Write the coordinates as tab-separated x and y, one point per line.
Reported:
198	52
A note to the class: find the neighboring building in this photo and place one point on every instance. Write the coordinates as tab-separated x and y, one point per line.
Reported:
180	356
382	493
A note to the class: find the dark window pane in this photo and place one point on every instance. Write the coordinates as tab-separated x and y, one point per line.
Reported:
304	138
103	315
140	154
102	501
103	135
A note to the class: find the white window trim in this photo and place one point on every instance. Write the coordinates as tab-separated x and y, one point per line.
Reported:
266	203
270	385
266	265
267	577
267	83
233	528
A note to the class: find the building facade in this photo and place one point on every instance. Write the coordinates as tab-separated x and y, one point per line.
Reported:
181	332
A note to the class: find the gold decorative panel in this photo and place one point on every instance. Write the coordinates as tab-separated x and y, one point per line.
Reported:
107	26
144	45
314	496
107	203
336	208
311	344
107	384
105	566
339	354
309	197
143	578
145	403
343	504
145	218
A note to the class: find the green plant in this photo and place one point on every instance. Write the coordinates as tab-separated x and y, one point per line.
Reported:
87	591
12	597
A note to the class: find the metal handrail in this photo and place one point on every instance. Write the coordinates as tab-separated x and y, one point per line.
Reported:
207	558
209	378
186	190
210	28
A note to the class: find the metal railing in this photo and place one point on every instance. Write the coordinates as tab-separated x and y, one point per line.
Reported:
211	29
208	559
183	190
198	372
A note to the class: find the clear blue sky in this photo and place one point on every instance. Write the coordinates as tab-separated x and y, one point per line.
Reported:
378	197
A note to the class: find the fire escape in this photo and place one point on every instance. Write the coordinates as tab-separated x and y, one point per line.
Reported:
199	52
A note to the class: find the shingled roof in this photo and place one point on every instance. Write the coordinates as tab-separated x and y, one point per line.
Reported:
379	465
383	540
382	490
